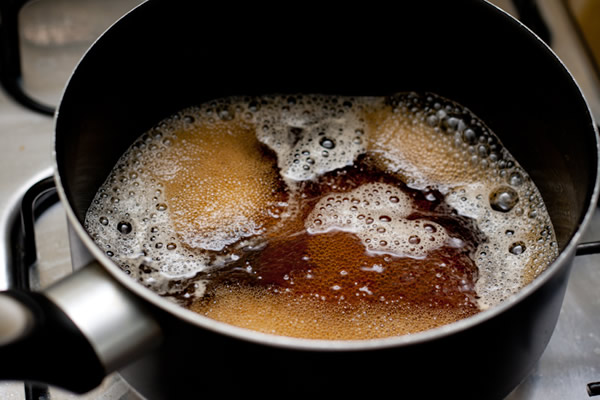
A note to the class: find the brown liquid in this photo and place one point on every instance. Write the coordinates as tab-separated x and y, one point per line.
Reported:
328	286
325	217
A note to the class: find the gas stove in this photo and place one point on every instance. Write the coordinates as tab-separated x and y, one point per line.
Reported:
54	34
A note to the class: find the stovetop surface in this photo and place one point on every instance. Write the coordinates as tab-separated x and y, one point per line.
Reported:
55	33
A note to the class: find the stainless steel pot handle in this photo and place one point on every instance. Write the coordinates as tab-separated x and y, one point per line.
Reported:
87	321
16	319
116	323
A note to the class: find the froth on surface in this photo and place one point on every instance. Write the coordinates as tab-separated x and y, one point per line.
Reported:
428	141
220	183
225	185
312	318
377	213
311	135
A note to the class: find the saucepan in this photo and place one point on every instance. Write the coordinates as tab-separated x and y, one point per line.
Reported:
164	56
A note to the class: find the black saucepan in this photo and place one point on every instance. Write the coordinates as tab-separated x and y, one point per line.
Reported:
164	56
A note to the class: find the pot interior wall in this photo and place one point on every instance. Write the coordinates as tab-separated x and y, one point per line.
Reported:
166	56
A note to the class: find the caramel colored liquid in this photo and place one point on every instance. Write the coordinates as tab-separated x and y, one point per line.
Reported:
325	217
328	286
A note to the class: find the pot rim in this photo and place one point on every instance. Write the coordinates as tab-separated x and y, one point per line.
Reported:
198	320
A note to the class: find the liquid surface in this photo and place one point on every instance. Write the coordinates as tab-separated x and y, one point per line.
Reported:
324	216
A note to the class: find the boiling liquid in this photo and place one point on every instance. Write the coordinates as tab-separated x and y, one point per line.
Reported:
325	216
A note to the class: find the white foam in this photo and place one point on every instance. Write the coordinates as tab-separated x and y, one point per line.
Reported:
312	135
151	251
377	213
502	272
432	143
436	143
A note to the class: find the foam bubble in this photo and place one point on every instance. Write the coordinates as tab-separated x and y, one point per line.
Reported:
429	141
377	213
503	267
201	187
222	185
311	135
310	317
127	220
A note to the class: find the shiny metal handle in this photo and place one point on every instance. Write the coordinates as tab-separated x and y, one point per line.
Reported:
115	322
87	324
15	319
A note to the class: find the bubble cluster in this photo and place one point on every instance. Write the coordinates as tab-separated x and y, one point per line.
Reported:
520	242
217	187
377	213
221	182
312	318
175	193
429	141
311	135
128	221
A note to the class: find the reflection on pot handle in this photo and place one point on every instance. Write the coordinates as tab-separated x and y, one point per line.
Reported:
75	333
